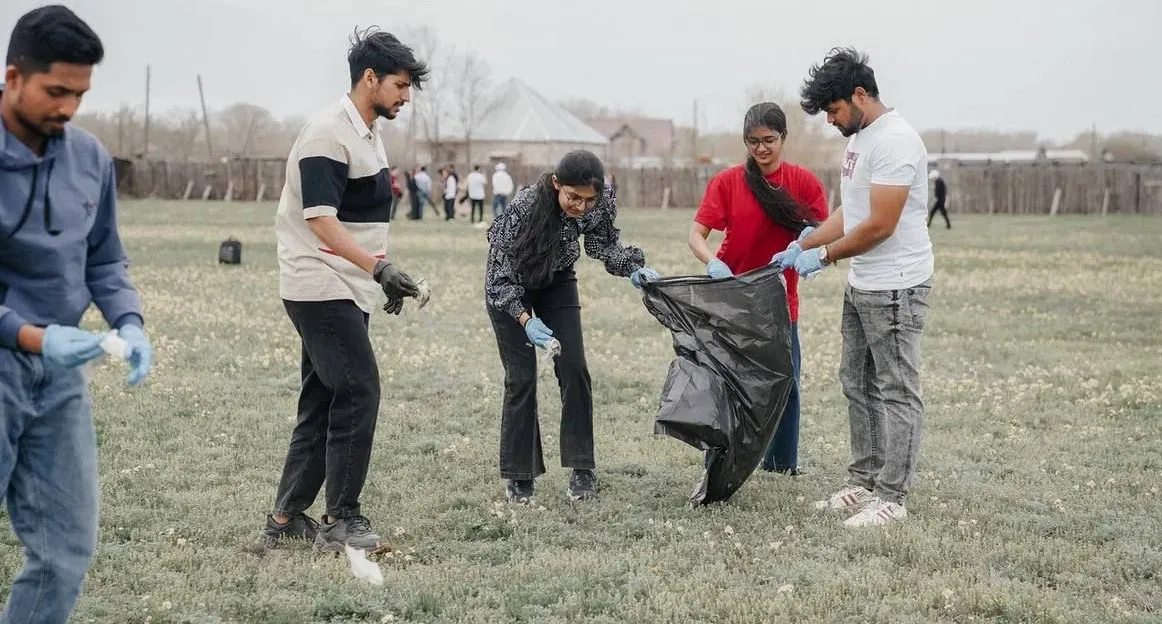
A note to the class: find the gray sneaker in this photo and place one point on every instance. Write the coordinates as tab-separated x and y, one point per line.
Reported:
298	527
519	491
582	485
354	531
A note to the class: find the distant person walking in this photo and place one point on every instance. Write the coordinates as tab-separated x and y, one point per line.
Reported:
477	184
501	190
451	185
424	184
414	196
941	192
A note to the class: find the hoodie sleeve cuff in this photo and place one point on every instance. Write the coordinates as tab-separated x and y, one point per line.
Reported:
130	318
10	324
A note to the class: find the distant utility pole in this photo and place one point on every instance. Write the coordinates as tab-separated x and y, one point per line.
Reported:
1093	140
145	150
205	118
694	137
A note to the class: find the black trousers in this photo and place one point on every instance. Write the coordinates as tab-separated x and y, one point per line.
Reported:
449	209
939	207
521	457
477	203
337	410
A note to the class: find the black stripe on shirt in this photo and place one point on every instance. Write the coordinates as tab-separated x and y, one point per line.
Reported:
367	199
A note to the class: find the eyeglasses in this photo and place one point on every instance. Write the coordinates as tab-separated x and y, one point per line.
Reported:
575	199
768	141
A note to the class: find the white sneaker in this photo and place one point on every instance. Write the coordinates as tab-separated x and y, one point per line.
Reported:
877	513
849	497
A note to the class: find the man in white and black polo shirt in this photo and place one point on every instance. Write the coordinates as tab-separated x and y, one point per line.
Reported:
332	226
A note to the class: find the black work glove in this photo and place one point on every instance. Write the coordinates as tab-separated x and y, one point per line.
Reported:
395	283
394	305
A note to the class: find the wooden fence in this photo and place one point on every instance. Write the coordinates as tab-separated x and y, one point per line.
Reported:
1025	188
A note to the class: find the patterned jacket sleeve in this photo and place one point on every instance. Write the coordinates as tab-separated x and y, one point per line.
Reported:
502	286
602	239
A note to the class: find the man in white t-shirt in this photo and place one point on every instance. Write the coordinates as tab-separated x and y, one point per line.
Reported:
476	188
882	227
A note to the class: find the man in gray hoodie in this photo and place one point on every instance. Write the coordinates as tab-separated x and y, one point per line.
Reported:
59	253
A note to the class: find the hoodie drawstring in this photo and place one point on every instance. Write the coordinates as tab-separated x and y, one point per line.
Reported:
48	224
27	205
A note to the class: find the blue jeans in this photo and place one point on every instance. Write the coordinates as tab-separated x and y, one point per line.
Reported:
499	204
783	453
48	479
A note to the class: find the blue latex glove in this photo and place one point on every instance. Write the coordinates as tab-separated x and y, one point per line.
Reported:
538	333
140	353
805	233
643	275
718	269
70	346
786	258
808	263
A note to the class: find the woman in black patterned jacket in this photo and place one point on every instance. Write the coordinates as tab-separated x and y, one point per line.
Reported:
531	291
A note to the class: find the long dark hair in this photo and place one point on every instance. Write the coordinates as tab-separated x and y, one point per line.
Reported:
536	246
780	207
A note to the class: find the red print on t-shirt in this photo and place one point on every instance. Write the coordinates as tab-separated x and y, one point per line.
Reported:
849	159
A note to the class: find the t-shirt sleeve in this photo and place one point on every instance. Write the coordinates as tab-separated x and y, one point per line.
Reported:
714	211
813	195
895	160
323	169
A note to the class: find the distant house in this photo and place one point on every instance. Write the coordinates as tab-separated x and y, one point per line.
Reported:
1008	156
638	141
522	127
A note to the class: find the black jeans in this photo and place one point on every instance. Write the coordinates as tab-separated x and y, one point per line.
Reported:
477	204
939	207
559	306
337	411
449	209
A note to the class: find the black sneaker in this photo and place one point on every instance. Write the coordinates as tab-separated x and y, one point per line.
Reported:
582	485
519	491
298	526
354	531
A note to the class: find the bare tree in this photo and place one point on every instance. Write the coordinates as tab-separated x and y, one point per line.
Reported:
432	104
474	102
246	127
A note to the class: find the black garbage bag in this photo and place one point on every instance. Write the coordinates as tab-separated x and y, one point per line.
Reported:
729	382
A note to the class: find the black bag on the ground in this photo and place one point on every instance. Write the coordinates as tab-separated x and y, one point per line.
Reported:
230	251
727	387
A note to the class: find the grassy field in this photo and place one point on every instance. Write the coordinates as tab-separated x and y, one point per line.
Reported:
1038	497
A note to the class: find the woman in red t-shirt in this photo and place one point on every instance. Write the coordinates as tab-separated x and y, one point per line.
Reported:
762	207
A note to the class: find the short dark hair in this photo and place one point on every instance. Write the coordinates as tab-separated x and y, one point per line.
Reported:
52	34
836	78
384	54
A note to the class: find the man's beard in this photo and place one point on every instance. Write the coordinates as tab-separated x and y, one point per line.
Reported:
855	126
383	111
39	129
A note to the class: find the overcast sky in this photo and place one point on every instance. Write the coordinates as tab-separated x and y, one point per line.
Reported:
1053	67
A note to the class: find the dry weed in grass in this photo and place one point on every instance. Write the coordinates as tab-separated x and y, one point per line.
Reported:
1037	499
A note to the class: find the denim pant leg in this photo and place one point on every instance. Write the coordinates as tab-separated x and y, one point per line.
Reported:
857	373
48	473
893	322
783	452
